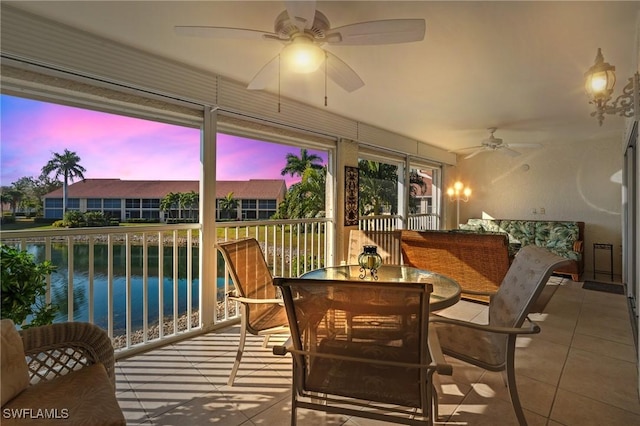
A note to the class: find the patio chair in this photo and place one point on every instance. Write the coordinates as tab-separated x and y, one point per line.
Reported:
492	346
262	312
58	374
388	243
370	376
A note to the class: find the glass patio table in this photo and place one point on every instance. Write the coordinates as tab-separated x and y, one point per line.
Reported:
446	291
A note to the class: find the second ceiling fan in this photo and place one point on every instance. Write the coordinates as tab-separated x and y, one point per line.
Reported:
496	144
304	30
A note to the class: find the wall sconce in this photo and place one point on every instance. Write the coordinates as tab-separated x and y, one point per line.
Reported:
458	193
600	80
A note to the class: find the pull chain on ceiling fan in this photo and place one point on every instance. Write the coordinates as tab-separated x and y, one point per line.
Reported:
305	31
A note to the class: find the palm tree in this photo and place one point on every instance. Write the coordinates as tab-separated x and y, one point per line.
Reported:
65	165
297	165
189	201
306	198
169	202
227	205
378	187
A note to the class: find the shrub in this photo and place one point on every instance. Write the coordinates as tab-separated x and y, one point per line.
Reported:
24	286
74	219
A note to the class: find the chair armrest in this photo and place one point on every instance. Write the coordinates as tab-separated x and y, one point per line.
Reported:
255	301
478	292
533	329
436	355
578	246
54	350
284	348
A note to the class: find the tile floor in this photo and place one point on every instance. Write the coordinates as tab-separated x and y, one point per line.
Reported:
580	370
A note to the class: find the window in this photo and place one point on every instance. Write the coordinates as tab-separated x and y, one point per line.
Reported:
50	203
94	203
112	203
132	203
150	203
378	188
424	198
73	203
248	204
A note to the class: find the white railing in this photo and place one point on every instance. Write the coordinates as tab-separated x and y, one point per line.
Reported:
416	222
380	222
423	222
141	291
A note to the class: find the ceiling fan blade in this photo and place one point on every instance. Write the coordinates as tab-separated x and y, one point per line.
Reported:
224	32
387	31
301	13
474	153
342	74
467	148
265	75
508	151
524	145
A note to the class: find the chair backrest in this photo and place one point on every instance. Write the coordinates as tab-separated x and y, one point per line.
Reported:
360	339
522	285
250	275
388	243
478	262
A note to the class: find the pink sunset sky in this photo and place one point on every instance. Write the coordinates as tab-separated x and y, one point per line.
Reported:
114	146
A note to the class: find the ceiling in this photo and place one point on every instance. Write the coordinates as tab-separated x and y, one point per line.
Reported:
517	66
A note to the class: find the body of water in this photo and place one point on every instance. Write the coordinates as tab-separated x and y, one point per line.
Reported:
81	290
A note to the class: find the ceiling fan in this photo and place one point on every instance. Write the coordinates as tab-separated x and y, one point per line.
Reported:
304	30
495	144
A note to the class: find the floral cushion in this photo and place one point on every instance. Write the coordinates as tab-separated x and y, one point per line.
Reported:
556	236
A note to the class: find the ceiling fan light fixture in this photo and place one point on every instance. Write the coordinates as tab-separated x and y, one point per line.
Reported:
302	55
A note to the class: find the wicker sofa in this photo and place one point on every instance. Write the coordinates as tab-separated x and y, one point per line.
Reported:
478	262
58	374
564	238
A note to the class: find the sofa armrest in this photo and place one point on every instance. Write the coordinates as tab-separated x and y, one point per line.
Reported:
55	350
578	246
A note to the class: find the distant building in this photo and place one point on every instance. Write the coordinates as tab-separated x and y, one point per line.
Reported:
140	199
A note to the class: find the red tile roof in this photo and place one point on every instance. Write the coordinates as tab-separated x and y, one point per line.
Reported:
256	189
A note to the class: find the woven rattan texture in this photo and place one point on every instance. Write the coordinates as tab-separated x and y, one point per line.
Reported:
57	349
478	262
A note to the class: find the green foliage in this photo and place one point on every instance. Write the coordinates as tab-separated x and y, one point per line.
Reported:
24	288
74	219
8	218
95	219
378	187
58	224
296	166
306	198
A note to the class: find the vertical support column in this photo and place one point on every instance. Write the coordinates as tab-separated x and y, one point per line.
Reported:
208	240
347	155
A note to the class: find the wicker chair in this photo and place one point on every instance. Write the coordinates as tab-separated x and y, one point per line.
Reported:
492	346
335	372
65	370
262	312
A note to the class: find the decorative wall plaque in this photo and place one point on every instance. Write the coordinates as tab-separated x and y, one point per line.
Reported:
351	188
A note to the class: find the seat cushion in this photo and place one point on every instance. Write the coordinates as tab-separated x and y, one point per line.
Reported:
13	365
82	397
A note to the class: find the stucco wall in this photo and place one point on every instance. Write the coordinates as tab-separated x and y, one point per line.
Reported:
571	181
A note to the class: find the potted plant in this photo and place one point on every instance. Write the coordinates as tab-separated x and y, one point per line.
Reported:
24	286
